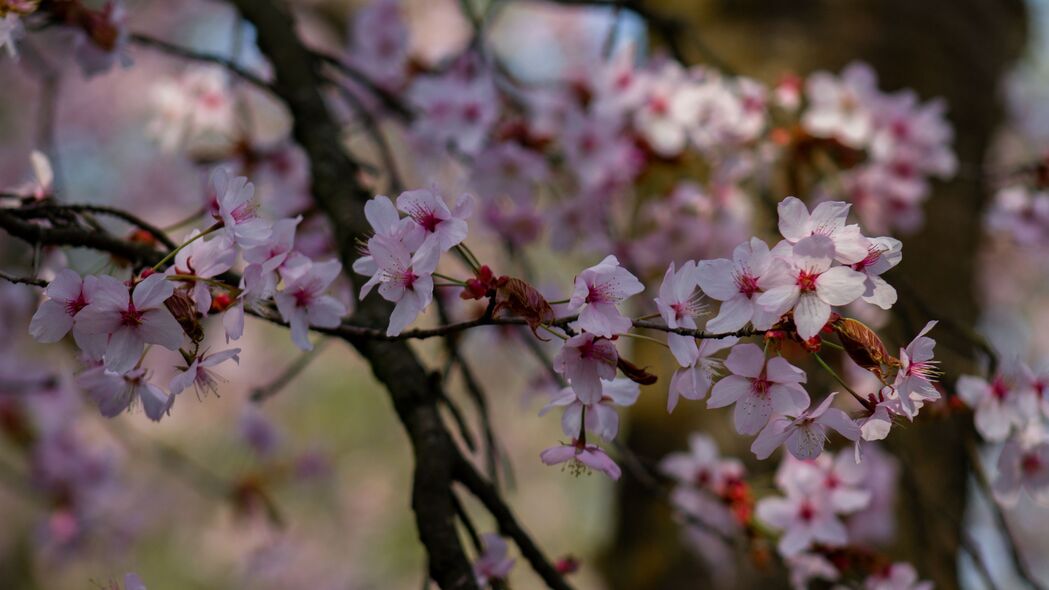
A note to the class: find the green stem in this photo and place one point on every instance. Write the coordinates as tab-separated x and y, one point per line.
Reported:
166	259
833	345
648	338
838	378
448	278
550	330
468	257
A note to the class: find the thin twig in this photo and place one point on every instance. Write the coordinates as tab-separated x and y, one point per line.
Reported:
201	56
264	392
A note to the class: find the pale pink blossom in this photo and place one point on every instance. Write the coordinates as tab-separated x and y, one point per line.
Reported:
808	285
882	255
114	393
443	228
302	303
196	110
759	387
693	382
581	458
841	107
701	467
737	283
402	278
385	221
380	42
585	360
493	563
914	380
837	478
898	576
238	209
827	219
679	304
805	434
511	170
131	319
204	258
199	374
598	290
270	256
997	405
1023	465
669	110
67	295
598	417
804	519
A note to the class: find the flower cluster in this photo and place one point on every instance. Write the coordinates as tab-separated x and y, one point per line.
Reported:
114	322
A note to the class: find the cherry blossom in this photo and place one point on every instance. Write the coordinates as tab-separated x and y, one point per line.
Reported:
67	294
882	255
302	303
203	258
600	417
130	319
380	42
199	374
914	380
737	283
694	382
668	111
759	387
804	519
443	228
806	433
838	478
996	405
598	290
493	563
827	219
810	286
195	110
679	304
114	393
585	360
403	278
268	257
238	209
841	108
581	458
702	466
1023	465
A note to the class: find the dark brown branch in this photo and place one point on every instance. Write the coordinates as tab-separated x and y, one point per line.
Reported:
466	474
23	280
389	100
200	56
52	207
40	235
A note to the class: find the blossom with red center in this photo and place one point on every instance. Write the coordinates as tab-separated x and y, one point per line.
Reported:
442	227
805	434
1023	465
679	304
997	405
917	373
759	388
302	303
598	417
67	295
238	210
585	360
598	291
736	284
402	277
581	458
827	219
808	285
131	320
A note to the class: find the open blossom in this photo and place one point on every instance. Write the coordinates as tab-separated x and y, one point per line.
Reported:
737	283
598	290
302	303
199	375
387	223
204	258
805	519
878	421
759	388
693	382
196	110
898	576
402	278
827	219
114	393
810	286
841	108
837	478
131	320
442	227
380	42
669	110
701	466
917	372
581	458
67	295
882	254
600	418
997	405
492	564
457	109
1023	465
238	209
806	434
267	258
679	305
585	360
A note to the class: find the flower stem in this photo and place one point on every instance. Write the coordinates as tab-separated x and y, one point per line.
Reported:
468	257
838	378
551	330
448	278
166	259
648	338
